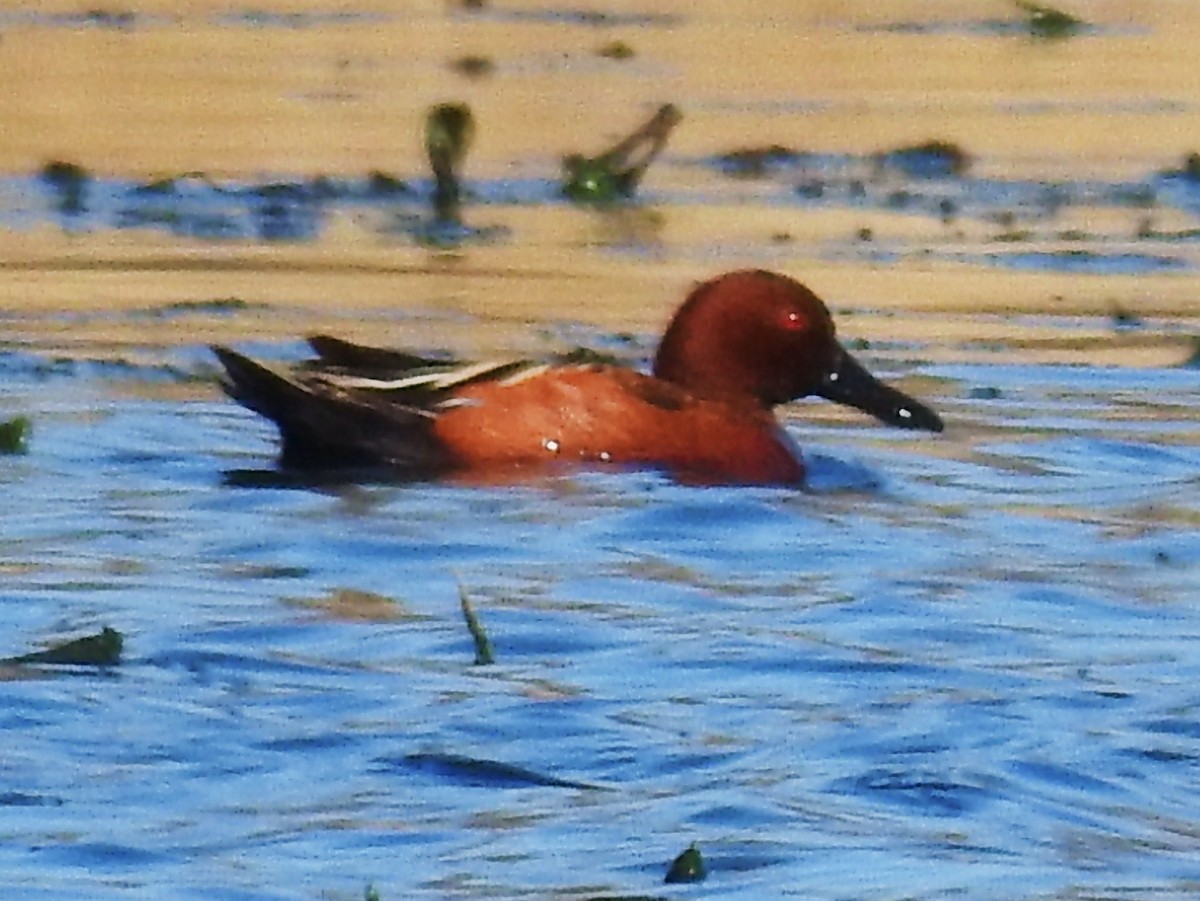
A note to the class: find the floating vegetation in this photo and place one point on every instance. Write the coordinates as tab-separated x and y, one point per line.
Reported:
483	646
687	867
382	185
618	50
1049	23
14	435
1124	319
615	174
1038	21
449	130
932	159
101	649
473	66
70	183
756	162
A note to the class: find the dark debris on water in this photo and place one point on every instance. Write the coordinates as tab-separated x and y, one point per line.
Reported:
102	649
481	772
1048	23
932	159
687	867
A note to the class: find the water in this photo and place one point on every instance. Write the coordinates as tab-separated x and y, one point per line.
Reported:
957	665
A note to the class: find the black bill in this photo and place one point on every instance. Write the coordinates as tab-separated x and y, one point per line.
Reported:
849	383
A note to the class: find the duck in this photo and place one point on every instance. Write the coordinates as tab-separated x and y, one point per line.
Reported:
739	346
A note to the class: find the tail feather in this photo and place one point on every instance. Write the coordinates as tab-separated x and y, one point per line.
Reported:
322	425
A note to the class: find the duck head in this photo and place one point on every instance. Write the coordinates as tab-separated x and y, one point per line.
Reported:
765	338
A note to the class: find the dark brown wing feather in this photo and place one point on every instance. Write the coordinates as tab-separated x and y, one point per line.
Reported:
337	354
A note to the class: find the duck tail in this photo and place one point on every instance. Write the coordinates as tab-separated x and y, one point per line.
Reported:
321	426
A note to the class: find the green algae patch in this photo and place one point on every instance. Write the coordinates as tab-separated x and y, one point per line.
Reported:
14	435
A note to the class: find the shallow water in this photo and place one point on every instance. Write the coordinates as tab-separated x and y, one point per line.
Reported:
955	666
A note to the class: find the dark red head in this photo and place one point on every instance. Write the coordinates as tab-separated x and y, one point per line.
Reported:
760	337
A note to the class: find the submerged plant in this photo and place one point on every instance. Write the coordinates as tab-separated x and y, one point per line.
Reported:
70	182
483	646
14	435
1048	22
614	175
449	130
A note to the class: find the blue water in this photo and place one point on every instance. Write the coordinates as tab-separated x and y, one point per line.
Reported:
957	666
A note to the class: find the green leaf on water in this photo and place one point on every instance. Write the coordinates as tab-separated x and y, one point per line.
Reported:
14	435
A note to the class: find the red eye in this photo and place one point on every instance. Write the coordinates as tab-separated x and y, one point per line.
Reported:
793	321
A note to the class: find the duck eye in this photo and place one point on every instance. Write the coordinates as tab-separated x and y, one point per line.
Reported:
793	321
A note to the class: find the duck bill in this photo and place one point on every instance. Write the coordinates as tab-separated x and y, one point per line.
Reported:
848	382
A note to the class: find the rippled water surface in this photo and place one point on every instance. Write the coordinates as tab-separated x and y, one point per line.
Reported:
955	666
961	664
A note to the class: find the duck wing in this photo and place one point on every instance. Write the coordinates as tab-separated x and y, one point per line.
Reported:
337	354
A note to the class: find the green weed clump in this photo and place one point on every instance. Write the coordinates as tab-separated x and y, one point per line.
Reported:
14	435
1049	23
